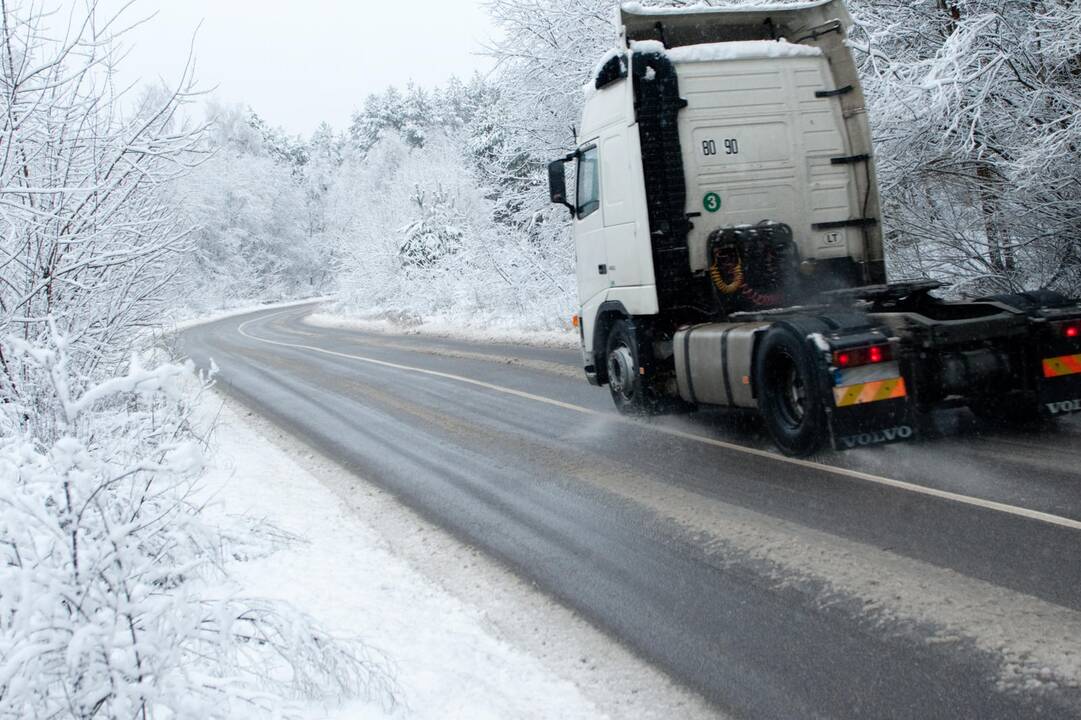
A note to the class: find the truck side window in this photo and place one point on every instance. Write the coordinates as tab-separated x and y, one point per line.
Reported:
589	191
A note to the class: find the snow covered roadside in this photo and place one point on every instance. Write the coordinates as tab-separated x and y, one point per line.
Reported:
243	309
440	327
444	660
464	638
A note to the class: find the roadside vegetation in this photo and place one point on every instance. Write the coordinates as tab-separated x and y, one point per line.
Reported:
110	579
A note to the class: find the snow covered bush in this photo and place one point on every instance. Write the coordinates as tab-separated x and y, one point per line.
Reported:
109	599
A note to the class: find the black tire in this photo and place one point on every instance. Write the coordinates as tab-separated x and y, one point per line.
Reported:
788	398
629	391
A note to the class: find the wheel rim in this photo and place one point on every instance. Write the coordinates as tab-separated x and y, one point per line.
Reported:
620	378
792	392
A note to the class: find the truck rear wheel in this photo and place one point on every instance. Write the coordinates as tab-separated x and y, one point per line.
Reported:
628	387
792	409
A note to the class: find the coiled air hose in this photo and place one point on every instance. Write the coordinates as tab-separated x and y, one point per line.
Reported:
729	278
734	269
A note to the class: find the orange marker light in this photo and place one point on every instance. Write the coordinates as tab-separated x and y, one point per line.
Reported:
574	320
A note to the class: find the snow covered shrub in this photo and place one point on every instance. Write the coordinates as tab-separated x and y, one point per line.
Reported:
109	600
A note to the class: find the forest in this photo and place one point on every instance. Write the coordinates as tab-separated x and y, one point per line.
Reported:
433	203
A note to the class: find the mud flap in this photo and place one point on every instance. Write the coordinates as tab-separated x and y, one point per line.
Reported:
865	405
872	423
869	405
1059	387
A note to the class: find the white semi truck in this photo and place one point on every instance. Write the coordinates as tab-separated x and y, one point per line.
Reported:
729	246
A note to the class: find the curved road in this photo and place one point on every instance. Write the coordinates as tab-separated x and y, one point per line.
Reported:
940	579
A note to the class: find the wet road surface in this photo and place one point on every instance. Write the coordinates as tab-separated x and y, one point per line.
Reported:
940	578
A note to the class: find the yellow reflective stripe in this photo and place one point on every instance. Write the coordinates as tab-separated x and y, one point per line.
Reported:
869	392
847	396
1064	365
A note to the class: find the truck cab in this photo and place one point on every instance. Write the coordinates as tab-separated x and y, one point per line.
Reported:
759	119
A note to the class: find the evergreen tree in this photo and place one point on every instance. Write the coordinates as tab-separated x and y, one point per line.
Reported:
416	116
368	125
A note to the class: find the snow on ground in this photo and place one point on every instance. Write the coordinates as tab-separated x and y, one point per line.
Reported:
445	660
193	316
494	332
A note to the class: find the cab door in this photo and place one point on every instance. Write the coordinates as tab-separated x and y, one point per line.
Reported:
589	226
623	254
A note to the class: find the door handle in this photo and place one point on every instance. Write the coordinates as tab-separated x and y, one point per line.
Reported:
602	269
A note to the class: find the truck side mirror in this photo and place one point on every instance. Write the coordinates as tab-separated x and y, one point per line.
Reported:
557	183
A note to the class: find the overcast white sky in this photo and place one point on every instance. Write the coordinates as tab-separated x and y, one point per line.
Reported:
301	62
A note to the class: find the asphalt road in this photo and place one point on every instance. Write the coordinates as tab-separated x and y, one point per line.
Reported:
938	579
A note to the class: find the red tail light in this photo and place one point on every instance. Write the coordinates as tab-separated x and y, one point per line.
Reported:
856	357
1071	329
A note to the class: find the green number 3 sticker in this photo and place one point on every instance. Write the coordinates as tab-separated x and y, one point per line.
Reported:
712	202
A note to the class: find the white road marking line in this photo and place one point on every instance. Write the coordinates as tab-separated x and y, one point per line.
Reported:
844	472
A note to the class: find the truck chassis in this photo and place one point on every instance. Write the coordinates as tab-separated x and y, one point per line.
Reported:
863	369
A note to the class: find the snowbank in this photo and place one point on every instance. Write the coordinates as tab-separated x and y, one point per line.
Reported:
445	660
493	332
197	318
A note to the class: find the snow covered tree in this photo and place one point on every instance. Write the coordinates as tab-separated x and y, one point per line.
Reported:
391	108
975	105
545	54
284	148
325	156
367	125
90	238
252	215
454	106
416	116
436	233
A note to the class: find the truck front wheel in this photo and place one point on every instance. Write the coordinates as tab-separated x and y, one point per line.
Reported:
625	381
787	398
